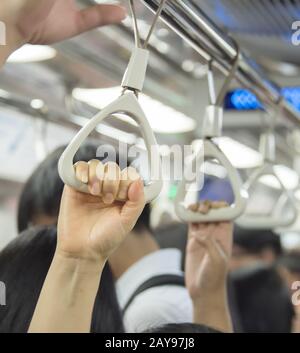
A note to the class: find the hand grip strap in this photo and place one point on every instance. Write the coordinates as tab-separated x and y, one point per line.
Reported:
275	219
129	105
225	214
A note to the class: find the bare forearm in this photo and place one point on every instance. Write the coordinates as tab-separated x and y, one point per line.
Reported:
213	311
67	299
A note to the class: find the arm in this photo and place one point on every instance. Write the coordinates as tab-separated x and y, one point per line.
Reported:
207	259
90	229
50	21
67	298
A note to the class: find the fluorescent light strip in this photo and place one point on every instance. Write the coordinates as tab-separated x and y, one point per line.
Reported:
162	118
32	53
108	131
239	155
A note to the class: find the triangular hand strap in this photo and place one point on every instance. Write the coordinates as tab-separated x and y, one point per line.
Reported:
224	214
276	218
129	105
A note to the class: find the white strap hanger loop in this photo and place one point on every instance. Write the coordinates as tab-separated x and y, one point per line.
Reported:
138	41
213	120
224	214
128	104
277	217
212	128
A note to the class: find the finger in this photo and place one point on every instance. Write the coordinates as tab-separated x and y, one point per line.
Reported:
128	176
133	208
219	204
95	182
194	207
204	207
195	228
98	15
216	253
111	182
203	231
82	172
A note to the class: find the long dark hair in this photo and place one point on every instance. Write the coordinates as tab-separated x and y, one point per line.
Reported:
24	264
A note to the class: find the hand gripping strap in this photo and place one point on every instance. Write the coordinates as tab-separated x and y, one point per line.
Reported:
224	214
129	105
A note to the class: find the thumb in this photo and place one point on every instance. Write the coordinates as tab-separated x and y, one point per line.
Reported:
99	15
133	208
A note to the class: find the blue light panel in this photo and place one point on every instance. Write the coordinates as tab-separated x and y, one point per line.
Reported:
242	99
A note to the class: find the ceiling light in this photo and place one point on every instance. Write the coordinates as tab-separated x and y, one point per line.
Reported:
163	47
37	104
32	53
162	118
297	194
107	130
162	32
188	66
4	94
240	155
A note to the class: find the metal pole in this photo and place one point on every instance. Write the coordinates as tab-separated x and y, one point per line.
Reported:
191	24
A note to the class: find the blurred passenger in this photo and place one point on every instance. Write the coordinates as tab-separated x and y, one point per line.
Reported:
182	328
263	300
24	264
289	269
40	199
139	263
252	246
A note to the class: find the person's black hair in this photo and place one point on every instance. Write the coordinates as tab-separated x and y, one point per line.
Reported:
291	261
254	241
263	300
24	264
182	328
42	192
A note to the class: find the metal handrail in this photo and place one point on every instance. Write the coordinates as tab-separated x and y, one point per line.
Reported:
205	37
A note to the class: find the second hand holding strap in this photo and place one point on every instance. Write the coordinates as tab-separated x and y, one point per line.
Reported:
127	103
212	128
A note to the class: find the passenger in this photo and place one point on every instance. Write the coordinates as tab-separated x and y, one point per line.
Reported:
89	230
24	264
252	246
139	262
289	268
40	198
51	21
182	328
263	300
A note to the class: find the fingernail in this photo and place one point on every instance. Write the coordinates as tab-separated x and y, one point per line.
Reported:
122	196
95	189
108	199
84	178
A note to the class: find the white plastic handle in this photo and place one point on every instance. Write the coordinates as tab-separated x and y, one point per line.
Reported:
224	214
129	105
275	219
